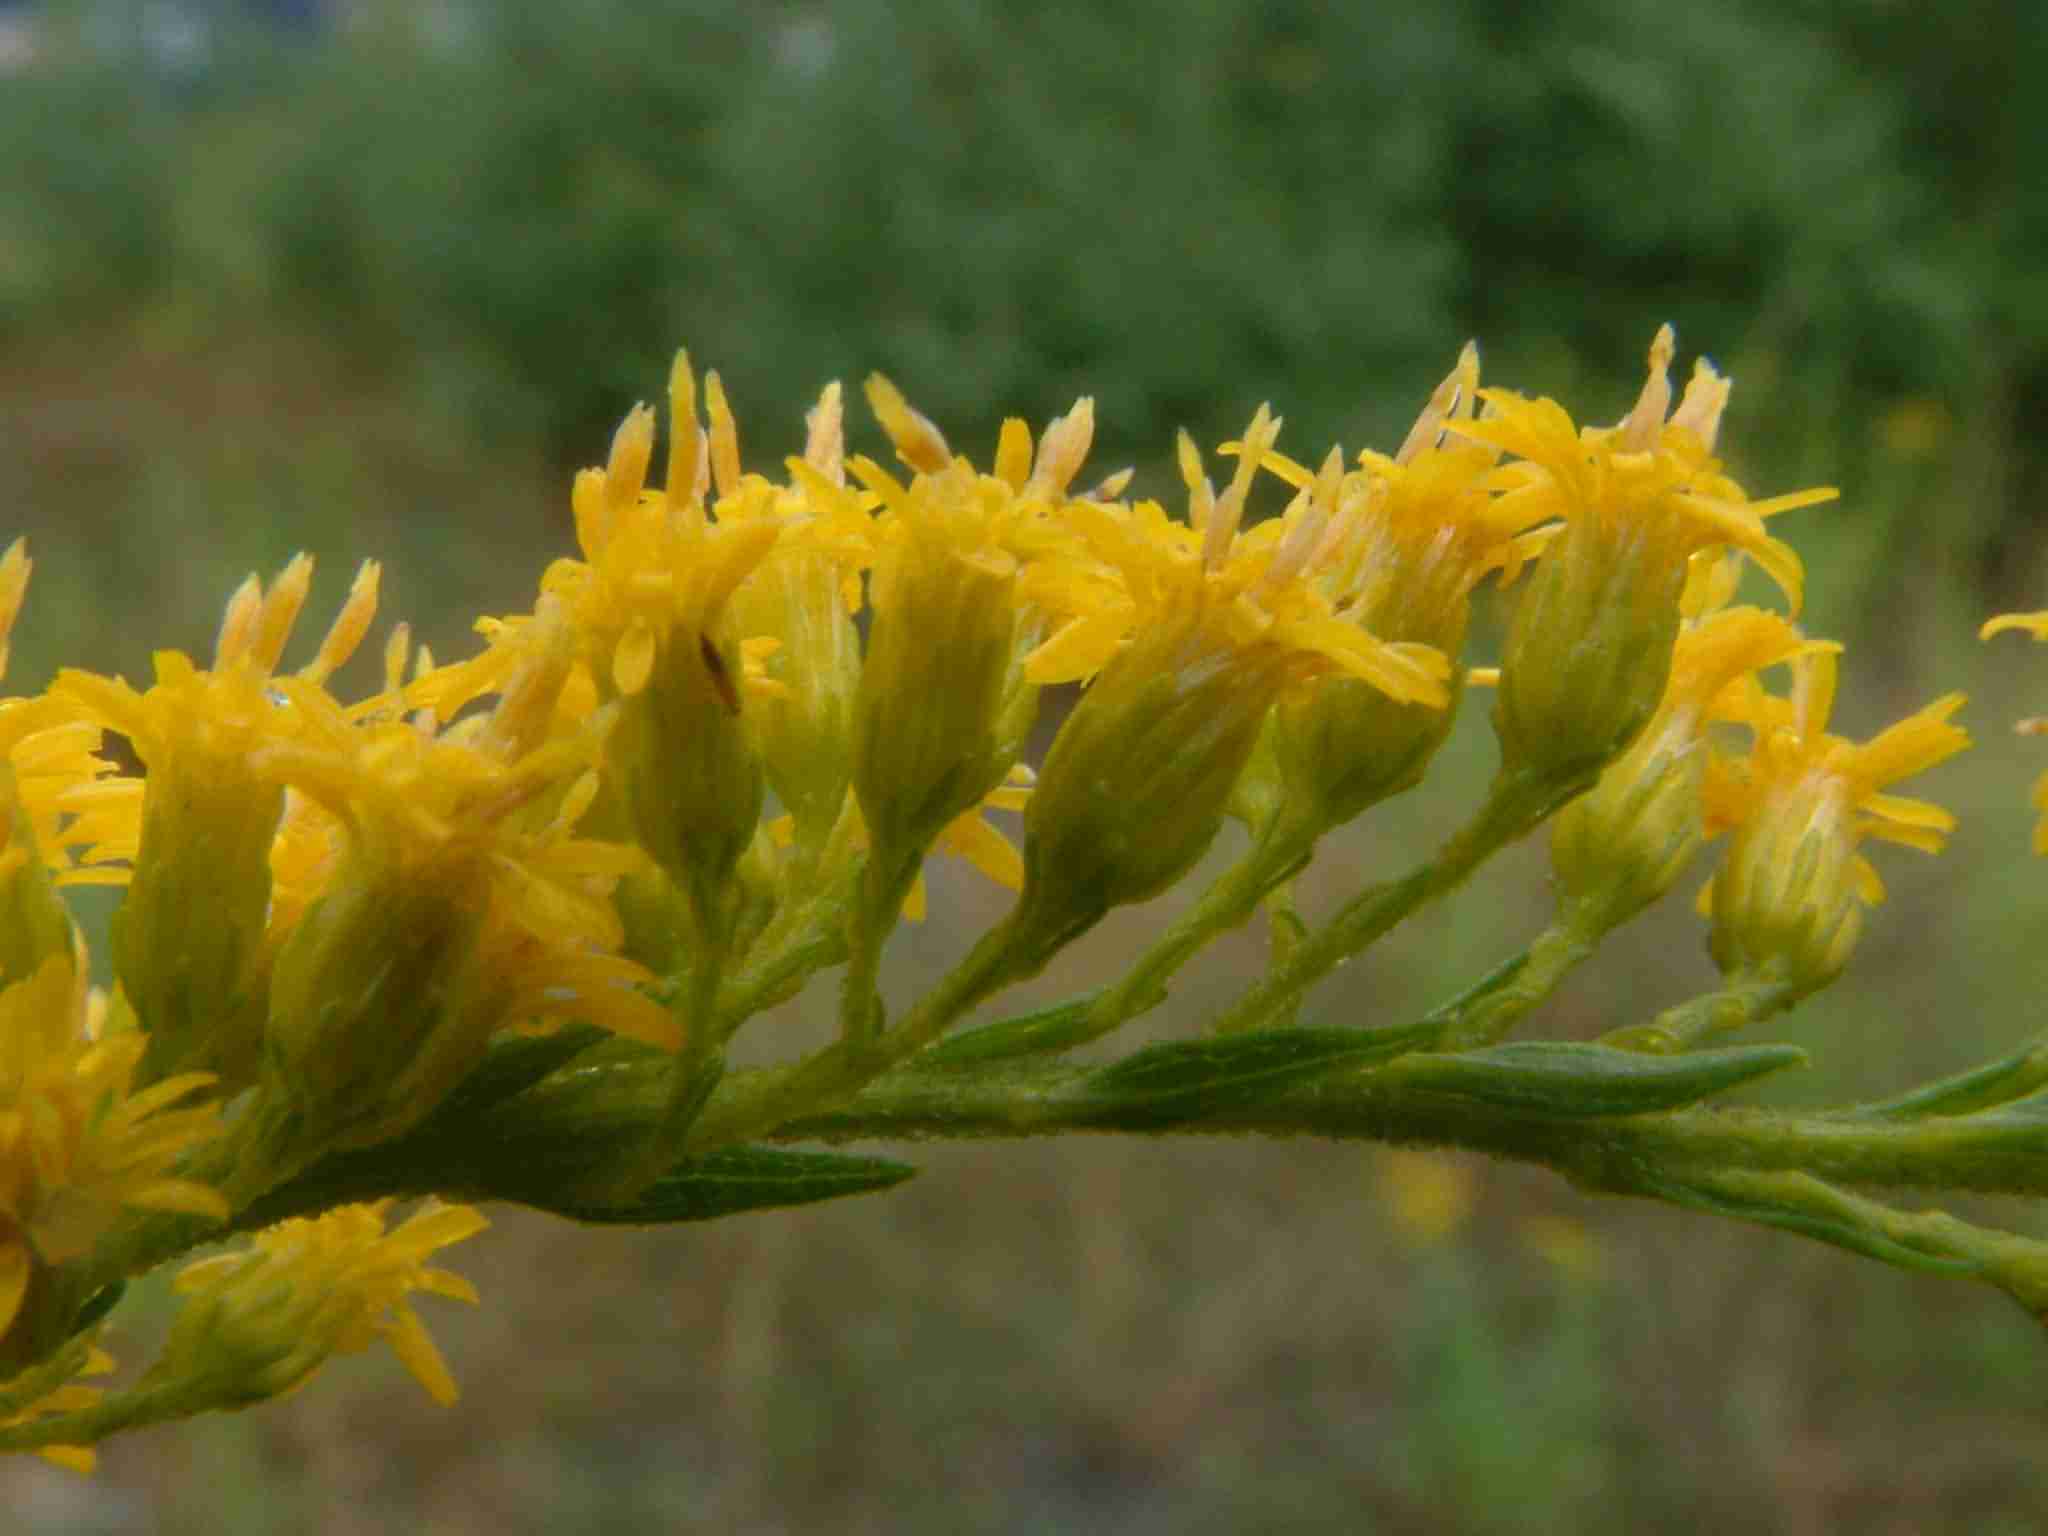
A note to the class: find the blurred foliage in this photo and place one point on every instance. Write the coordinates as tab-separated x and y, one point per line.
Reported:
519	210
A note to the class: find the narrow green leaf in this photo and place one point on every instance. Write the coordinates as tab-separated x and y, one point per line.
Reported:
1812	1218
515	1063
1029	1034
1572	1080
736	1179
1192	1080
1995	1083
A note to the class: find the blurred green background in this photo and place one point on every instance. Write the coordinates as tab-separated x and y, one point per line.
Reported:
371	279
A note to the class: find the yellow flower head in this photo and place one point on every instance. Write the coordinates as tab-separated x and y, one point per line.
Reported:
795	613
1623	844
1651	476
80	1144
450	852
945	700
1205	628
658	566
189	943
1590	645
57	773
648	607
1789	896
261	1320
1225	588
1416	531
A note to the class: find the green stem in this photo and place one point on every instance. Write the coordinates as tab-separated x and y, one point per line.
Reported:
1514	806
877	907
756	1104
1992	1153
1229	900
783	959
1485	1014
1707	1019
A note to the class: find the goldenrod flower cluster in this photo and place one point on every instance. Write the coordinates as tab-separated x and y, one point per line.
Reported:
715	754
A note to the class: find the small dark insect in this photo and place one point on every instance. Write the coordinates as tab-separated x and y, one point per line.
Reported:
721	679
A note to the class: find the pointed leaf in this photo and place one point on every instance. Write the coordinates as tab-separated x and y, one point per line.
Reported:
1573	1080
1193	1080
1029	1034
1997	1082
738	1179
516	1062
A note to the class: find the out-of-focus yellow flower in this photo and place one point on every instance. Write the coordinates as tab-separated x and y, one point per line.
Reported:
1428	1196
79	1144
1787	902
1576	1254
259	1321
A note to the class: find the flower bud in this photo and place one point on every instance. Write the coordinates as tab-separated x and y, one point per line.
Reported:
687	771
1139	777
1788	900
943	705
1620	846
1589	648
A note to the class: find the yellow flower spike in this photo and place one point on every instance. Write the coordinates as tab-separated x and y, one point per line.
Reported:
257	1322
1787	902
1590	644
1013	453
689	464
189	943
725	436
82	1143
257	635
918	443
350	625
1061	451
625	472
15	567
825	435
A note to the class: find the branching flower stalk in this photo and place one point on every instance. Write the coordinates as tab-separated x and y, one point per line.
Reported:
489	933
